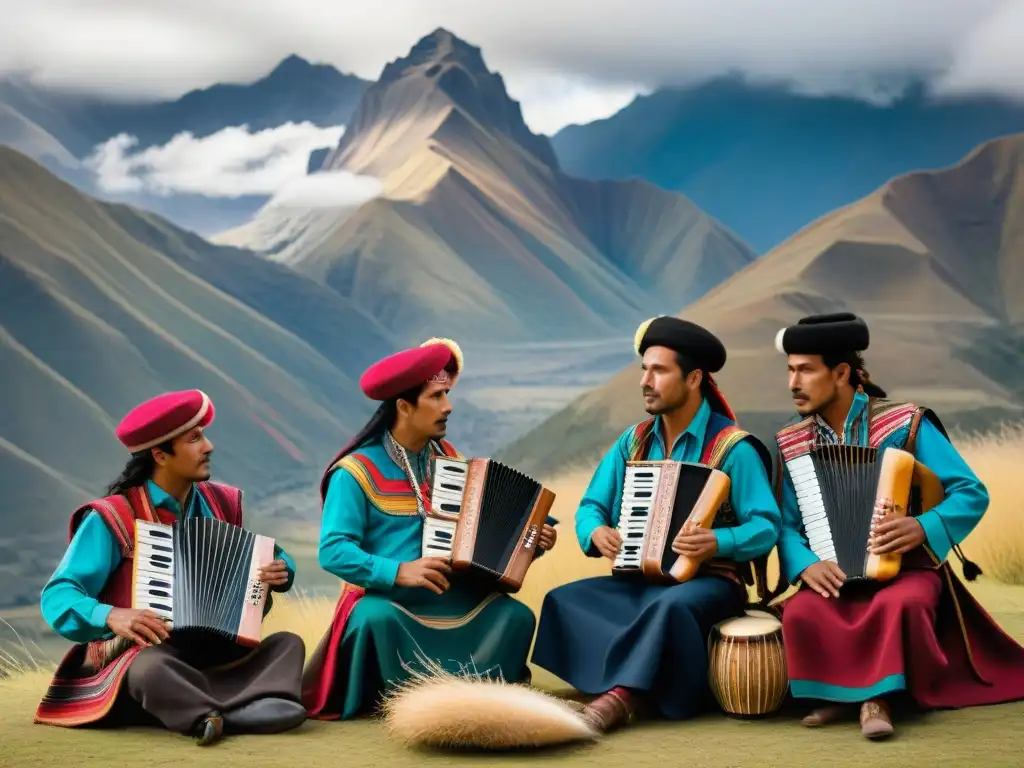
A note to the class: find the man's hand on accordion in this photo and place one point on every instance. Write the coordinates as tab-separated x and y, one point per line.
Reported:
274	573
607	540
824	577
893	533
548	537
694	541
142	627
427	572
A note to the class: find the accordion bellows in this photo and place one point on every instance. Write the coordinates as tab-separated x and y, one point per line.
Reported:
487	518
202	576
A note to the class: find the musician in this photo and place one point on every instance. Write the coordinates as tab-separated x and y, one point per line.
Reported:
865	644
398	609
125	666
634	642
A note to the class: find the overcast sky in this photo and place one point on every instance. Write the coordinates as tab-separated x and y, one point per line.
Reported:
565	60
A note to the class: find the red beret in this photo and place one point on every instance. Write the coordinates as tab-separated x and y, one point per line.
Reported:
163	418
404	370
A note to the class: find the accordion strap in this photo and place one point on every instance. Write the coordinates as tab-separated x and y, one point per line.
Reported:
721	444
225	501
640	441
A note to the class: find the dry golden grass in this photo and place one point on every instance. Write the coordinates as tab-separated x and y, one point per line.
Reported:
997	544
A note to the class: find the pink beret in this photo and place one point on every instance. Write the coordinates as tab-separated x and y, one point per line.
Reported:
163	418
404	370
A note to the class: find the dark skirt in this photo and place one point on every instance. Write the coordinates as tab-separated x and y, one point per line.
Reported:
607	631
910	634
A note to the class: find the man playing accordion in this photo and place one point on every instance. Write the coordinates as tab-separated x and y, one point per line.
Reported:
399	608
920	633
119	649
624	638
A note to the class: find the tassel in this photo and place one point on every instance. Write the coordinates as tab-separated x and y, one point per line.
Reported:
971	569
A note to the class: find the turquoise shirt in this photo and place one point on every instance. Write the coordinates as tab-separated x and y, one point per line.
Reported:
750	491
361	543
69	601
945	524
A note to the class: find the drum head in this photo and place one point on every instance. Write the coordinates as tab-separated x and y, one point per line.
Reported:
753	624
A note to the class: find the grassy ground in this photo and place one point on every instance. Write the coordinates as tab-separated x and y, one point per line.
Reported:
979	736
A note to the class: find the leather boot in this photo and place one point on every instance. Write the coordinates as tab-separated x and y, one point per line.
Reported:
610	710
824	715
210	729
875	719
266	715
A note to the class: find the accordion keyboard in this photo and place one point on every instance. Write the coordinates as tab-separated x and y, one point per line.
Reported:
438	537
154	569
449	485
638	491
811	504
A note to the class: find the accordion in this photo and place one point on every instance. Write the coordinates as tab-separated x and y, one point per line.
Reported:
658	499
486	518
836	489
202	576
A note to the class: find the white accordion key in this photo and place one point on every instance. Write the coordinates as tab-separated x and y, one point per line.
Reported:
448	485
812	507
438	537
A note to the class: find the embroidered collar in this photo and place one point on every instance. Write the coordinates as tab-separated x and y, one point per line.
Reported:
398	454
855	427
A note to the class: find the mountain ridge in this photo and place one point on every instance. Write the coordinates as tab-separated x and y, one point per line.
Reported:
765	160
102	307
931	259
482	229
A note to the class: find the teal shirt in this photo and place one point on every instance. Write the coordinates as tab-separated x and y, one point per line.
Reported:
750	492
945	524
69	601
359	542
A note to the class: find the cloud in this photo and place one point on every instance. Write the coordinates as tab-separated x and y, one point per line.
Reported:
230	163
552	101
598	52
991	58
327	189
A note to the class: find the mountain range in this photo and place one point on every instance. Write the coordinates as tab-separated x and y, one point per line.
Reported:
934	262
477	228
765	160
477	235
61	129
103	306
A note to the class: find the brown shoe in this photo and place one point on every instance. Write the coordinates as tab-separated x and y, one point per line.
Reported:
610	710
210	729
824	715
875	719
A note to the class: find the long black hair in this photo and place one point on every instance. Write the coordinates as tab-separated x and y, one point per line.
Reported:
138	470
383	418
858	373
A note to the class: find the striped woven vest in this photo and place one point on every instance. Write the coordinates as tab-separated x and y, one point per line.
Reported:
395	497
720	437
890	424
88	678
